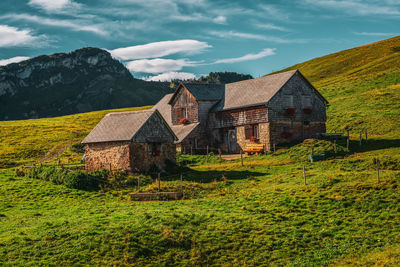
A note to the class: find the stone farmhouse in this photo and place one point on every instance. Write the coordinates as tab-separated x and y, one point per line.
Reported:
270	110
131	141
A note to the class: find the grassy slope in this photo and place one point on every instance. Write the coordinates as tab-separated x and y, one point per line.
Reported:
29	140
256	214
362	85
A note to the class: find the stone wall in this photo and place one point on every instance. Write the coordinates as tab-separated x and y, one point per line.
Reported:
263	132
142	160
102	155
297	129
126	156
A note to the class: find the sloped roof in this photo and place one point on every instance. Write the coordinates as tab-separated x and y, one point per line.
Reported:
164	108
181	131
203	91
253	92
119	126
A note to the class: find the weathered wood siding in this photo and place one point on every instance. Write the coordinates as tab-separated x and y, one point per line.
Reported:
296	93
185	100
154	130
239	117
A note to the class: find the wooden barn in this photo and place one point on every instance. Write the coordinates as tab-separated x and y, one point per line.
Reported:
131	141
266	111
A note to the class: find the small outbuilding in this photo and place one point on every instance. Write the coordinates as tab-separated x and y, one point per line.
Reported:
131	141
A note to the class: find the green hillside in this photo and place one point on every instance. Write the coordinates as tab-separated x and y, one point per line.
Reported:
259	214
362	85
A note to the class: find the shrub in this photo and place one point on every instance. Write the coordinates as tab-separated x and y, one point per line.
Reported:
78	148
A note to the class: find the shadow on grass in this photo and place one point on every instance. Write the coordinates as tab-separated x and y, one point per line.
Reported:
373	144
209	176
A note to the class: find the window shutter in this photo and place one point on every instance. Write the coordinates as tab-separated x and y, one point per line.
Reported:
248	131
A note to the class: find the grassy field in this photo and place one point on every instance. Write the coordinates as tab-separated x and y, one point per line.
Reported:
261	213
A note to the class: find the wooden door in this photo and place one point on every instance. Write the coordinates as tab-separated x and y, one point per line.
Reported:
232	141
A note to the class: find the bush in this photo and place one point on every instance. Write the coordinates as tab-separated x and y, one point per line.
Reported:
78	148
71	179
78	180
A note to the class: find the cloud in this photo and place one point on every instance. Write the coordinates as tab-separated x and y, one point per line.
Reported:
159	49
220	20
11	36
7	61
270	26
273	12
375	33
74	25
264	53
168	76
53	5
158	65
356	7
274	39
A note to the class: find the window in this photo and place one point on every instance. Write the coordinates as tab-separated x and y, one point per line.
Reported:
251	130
154	149
306	101
289	101
181	113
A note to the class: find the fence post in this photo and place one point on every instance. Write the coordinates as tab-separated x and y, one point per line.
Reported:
241	157
274	147
207	149
181	183
334	145
360	139
138	183
348	143
110	167
304	175
159	180
377	169
191	150
220	156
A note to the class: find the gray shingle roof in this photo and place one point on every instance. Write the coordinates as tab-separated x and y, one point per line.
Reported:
203	91
164	108
182	131
252	92
118	126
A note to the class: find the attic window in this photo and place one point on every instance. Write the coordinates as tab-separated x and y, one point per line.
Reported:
181	113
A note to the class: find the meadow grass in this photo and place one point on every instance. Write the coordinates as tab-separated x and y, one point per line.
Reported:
261	213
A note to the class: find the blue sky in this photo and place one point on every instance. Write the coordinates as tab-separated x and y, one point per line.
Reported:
164	39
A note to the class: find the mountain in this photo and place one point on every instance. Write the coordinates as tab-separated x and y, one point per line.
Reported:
65	83
362	85
224	77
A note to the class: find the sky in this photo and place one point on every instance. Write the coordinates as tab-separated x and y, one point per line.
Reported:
184	39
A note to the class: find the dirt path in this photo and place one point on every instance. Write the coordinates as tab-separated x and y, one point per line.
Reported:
232	156
55	151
